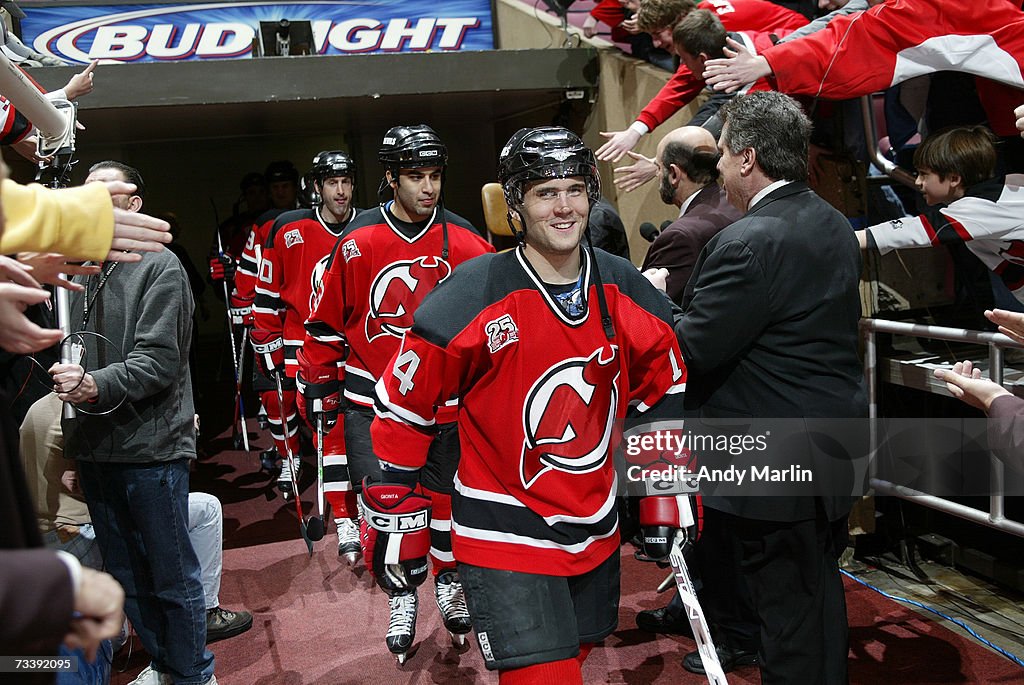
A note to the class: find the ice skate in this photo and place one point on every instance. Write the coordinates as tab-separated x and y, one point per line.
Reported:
348	540
270	460
402	627
451	601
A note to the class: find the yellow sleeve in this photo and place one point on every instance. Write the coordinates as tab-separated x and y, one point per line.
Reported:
76	222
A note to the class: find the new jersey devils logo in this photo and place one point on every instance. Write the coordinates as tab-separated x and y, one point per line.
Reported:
397	292
316	277
569	416
1014	253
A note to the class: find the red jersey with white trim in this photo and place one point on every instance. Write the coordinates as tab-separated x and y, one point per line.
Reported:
868	51
248	272
988	219
380	271
756	16
540	392
13	124
293	261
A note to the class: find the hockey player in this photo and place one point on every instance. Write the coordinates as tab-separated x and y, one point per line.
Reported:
293	259
546	346
386	262
284	175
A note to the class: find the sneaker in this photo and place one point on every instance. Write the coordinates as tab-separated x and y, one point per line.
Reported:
348	539
151	676
222	623
451	601
402	626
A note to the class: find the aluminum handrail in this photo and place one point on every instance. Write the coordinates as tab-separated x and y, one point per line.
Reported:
995	517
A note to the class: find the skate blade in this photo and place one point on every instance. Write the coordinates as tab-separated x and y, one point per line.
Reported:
350	558
458	639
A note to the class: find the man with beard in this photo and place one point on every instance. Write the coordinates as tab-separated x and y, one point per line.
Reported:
688	179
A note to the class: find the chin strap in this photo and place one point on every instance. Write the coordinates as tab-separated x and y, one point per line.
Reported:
602	303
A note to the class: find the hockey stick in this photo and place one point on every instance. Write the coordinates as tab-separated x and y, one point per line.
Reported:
291	465
235	358
315	525
694	614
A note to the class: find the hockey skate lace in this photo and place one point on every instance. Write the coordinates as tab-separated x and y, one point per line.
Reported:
403	615
451	600
348	533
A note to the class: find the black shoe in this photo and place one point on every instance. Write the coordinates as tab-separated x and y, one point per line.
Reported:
730	658
663	622
222	624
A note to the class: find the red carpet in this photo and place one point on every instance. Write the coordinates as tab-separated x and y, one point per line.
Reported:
318	622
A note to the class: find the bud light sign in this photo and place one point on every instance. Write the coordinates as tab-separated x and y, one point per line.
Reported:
148	33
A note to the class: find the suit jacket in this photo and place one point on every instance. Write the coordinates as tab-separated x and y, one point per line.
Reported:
769	330
679	245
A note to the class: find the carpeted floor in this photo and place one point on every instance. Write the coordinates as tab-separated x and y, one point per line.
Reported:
317	622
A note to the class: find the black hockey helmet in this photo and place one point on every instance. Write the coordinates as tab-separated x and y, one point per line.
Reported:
253	178
545	152
282	170
412	147
332	163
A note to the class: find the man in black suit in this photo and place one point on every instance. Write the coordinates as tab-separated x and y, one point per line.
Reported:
687	159
769	330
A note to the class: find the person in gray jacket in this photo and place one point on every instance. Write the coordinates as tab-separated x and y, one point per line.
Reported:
133	439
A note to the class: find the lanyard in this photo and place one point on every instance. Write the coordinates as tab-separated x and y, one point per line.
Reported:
89	302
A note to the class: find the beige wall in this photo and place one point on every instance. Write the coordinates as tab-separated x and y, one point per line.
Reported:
626	85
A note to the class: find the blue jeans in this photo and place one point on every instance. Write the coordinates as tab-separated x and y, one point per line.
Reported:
140	513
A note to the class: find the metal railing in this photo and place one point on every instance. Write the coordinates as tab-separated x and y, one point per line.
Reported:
996	342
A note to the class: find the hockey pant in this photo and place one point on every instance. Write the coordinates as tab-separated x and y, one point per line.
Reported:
436	477
337	482
271	404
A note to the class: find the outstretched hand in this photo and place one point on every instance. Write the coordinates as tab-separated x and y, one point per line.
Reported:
1011	324
737	69
134	231
965	383
643	169
619	143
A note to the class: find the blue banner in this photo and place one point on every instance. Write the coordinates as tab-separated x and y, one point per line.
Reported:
150	33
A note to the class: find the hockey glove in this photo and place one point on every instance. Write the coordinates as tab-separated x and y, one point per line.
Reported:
269	349
395	535
318	386
222	267
660	518
240	309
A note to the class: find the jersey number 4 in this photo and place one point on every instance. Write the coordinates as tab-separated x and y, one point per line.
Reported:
405	368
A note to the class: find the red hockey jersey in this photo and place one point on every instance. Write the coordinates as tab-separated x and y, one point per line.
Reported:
756	16
861	53
248	272
540	393
380	271
293	261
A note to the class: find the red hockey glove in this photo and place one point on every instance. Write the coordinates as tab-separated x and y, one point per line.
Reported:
318	386
660	518
222	267
269	349
240	309
395	535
